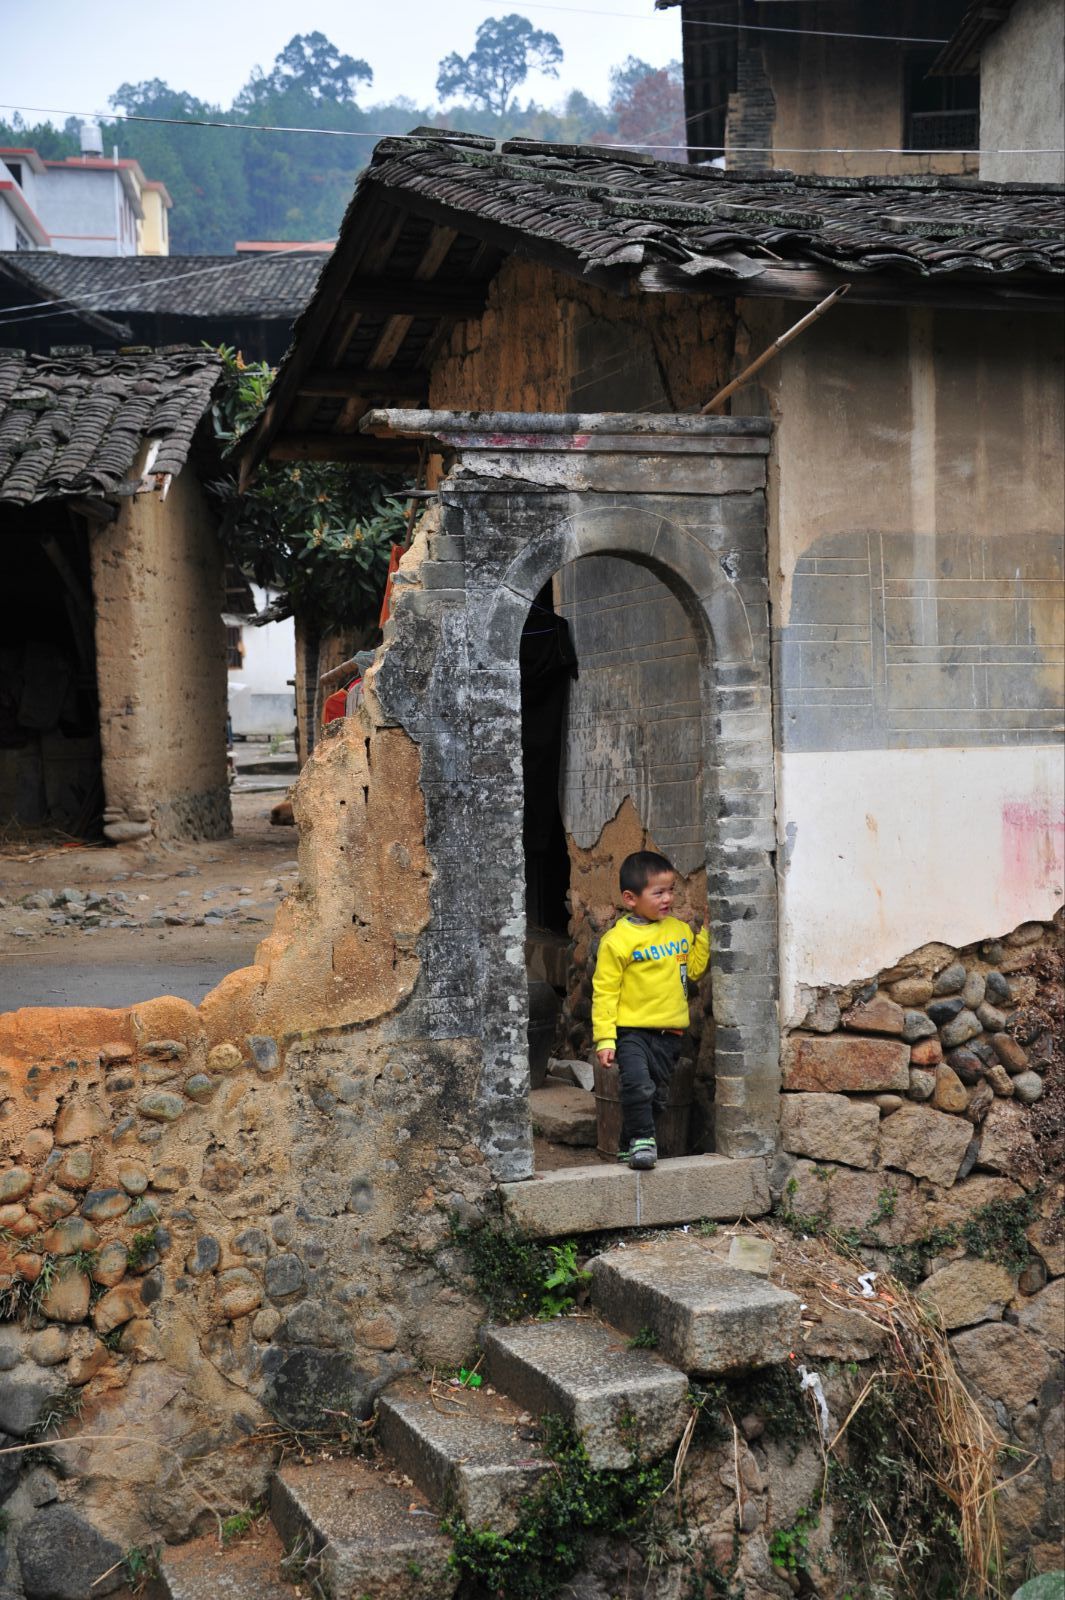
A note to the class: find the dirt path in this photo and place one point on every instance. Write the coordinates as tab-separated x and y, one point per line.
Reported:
117	924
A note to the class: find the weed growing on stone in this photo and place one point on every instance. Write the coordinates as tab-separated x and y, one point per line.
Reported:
517	1276
706	1581
789	1548
141	1247
557	1295
644	1339
238	1523
772	1393
571	1505
997	1231
140	1567
57	1409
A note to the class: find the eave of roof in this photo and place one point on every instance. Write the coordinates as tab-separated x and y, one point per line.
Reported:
961	54
74	427
13	266
630	224
178	286
13	196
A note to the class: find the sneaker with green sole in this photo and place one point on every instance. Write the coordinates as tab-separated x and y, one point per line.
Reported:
625	1156
643	1153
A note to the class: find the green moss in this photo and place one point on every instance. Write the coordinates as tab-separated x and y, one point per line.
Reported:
517	1276
571	1505
997	1231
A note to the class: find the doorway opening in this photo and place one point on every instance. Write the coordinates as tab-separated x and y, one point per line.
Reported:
50	763
616	766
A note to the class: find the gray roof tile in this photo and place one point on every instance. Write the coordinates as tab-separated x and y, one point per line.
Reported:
74	425
272	286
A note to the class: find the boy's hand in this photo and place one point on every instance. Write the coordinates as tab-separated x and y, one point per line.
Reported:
606	1057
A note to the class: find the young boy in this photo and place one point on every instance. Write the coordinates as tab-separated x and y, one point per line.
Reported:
640	997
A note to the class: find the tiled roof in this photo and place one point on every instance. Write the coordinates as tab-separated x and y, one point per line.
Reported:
183	286
435	214
74	426
615	209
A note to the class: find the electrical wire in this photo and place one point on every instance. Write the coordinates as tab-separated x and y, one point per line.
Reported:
718	149
745	27
148	283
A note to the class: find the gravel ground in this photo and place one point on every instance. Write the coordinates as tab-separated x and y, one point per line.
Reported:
112	925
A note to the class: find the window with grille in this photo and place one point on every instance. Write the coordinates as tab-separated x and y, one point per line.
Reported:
234	646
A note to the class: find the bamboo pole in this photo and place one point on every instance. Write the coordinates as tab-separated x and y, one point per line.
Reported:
774	349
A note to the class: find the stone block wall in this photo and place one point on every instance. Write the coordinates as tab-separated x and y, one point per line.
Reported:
921	1124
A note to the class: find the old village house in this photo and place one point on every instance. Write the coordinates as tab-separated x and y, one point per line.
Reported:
112	660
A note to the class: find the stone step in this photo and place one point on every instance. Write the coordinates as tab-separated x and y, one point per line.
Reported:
709	1317
247	1568
563	1113
464	1448
367	1536
624	1404
595	1199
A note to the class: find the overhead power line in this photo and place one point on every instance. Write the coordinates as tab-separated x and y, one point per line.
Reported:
66	305
617	144
743	27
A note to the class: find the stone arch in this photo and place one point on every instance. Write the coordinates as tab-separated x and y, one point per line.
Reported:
685	498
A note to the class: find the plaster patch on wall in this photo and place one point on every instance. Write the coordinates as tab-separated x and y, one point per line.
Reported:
854	896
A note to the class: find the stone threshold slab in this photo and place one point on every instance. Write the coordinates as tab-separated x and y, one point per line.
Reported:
593	1200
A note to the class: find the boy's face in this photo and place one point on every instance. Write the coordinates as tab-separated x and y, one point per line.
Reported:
655	899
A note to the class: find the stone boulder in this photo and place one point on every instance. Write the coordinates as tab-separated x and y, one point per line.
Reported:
968	1291
1007	1145
878	1015
315	1389
63	1557
884	1204
1044	1315
928	1143
829	1127
1002	1362
829	1064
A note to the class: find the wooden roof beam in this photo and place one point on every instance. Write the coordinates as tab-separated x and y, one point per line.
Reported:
414	299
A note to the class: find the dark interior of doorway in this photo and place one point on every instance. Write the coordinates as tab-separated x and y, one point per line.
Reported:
548	666
548	663
50	767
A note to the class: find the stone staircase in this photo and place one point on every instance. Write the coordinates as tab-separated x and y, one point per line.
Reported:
371	1530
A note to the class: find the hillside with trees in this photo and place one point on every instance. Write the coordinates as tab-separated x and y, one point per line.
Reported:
244	182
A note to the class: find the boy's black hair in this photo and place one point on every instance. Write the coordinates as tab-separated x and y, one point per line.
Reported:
640	867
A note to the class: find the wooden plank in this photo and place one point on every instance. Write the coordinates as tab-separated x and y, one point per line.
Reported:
379	218
397	328
879	289
413	299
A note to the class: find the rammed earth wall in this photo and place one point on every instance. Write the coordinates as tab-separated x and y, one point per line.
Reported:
240	1209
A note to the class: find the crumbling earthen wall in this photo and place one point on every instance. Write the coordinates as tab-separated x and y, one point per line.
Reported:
161	667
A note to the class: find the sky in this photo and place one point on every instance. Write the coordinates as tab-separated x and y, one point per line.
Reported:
74	60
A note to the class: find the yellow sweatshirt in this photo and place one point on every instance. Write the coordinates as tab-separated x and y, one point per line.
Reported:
641	976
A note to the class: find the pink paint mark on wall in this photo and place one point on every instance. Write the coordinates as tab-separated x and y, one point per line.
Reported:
1033	853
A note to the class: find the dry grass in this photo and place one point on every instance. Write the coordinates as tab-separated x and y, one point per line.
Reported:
941	1425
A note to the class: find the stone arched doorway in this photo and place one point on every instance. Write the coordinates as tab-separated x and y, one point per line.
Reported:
683	497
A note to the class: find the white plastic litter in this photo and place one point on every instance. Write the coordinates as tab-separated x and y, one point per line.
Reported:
865	1284
812	1380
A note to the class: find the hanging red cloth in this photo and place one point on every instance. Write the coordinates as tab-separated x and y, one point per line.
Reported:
398	552
336	704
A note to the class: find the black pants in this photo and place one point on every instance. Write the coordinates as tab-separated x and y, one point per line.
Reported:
645	1059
